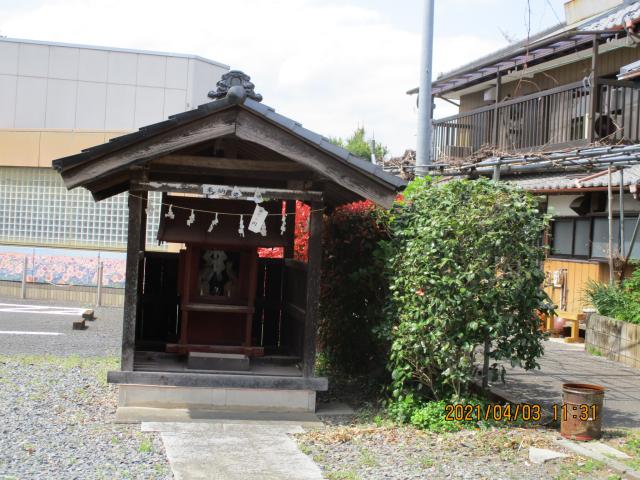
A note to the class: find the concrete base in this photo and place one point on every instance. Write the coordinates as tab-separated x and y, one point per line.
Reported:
231	399
218	361
184	415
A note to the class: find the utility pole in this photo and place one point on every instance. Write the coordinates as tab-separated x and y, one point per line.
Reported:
425	102
373	150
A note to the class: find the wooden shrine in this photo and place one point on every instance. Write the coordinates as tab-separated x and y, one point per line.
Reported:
218	270
215	167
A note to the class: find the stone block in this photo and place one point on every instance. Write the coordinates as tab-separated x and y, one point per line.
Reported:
221	399
218	361
79	325
542	455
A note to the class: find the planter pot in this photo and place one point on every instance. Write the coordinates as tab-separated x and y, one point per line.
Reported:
613	339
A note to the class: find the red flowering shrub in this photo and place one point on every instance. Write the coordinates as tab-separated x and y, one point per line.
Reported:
301	234
353	290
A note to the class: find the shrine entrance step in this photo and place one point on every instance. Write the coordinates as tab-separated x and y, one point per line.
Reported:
218	361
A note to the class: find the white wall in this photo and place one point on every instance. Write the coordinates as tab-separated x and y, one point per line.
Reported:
558	205
59	86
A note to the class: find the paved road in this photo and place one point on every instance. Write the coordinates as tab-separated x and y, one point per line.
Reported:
566	363
32	327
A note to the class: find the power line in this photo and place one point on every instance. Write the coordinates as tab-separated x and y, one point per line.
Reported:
555	14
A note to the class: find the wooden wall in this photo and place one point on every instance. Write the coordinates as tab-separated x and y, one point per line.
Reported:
579	272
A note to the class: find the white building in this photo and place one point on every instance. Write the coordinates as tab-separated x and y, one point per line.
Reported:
56	99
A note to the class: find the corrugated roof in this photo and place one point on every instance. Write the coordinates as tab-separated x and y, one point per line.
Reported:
539	48
586	180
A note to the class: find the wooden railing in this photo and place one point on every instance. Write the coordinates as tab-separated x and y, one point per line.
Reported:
550	119
618	116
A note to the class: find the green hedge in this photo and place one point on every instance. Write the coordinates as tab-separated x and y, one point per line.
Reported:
464	267
354	290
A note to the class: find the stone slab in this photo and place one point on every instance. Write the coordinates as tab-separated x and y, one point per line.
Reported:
585	449
607	450
543	455
235	452
218	361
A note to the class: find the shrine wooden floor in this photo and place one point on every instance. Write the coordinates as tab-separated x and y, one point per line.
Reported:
282	366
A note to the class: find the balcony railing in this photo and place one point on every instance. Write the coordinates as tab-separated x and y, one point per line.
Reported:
554	118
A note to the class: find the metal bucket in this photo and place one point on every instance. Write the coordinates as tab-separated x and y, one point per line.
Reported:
581	413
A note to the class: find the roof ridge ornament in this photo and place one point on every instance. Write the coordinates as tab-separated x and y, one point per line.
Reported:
236	85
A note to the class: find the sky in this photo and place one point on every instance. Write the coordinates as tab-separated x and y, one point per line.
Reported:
332	65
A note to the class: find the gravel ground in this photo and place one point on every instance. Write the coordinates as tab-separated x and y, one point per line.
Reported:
369	452
56	423
101	338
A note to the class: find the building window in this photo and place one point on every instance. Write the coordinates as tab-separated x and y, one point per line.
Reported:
589	237
570	237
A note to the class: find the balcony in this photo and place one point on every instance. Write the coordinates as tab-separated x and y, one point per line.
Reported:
548	120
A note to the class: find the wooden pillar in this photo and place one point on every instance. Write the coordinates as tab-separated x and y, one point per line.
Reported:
314	266
496	130
135	256
593	92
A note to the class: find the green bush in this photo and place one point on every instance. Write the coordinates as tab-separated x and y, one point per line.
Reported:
464	267
617	301
353	291
432	415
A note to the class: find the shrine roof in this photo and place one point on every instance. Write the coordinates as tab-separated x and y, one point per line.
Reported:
241	99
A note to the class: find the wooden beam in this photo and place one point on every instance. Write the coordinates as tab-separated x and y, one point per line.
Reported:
314	255
253	129
267	193
181	137
222	163
135	238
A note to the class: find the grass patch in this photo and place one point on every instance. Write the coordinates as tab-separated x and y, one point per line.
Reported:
97	366
594	351
579	469
306	449
367	458
146	446
427	462
344	475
